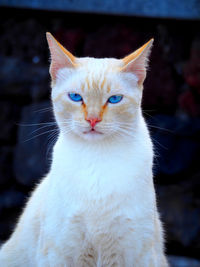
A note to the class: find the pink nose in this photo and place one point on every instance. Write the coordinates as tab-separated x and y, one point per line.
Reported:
93	121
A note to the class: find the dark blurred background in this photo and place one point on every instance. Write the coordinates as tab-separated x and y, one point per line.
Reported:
171	102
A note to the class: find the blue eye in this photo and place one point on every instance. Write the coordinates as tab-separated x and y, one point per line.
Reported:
115	99
75	97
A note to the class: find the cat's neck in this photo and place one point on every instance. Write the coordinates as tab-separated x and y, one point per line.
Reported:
74	149
78	162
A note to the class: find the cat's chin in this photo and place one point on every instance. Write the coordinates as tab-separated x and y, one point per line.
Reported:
92	135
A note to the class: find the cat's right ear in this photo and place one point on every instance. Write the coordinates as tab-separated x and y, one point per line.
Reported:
136	62
60	57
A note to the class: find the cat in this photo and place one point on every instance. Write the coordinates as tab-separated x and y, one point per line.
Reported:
97	206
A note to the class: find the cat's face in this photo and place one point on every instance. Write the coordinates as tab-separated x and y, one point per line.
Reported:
96	98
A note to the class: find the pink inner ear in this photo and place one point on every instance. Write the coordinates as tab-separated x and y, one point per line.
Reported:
55	67
138	67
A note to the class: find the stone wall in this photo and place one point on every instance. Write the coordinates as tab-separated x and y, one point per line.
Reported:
171	106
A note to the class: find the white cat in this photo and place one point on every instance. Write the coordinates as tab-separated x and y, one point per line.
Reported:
97	205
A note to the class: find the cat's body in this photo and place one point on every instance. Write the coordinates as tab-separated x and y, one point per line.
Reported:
97	206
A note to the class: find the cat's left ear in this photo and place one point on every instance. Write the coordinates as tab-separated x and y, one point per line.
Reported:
137	62
60	57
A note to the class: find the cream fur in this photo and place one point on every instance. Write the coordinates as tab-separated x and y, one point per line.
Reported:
97	206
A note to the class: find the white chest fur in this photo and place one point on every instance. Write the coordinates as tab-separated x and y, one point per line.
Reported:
101	197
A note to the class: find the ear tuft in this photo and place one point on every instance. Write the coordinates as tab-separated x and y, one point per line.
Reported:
137	62
60	57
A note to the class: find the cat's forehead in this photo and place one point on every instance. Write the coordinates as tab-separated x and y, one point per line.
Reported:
103	74
97	73
93	76
99	64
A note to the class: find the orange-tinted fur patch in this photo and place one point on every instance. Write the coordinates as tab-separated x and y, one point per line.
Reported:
108	88
135	54
82	87
102	84
103	110
84	107
87	81
93	84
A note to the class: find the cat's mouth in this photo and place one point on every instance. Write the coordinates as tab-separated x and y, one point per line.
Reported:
92	131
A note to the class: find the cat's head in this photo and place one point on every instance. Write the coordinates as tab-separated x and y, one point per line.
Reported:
97	98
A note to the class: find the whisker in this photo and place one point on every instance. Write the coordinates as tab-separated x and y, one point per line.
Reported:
159	128
44	123
154	140
42	127
43	110
37	124
125	132
54	130
51	141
